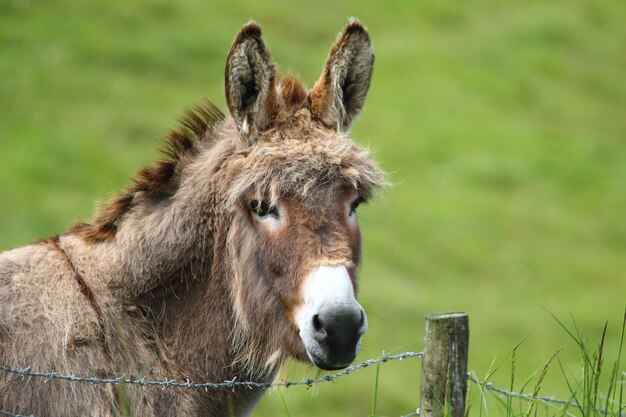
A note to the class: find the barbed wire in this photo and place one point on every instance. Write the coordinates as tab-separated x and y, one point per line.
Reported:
528	397
6	413
230	384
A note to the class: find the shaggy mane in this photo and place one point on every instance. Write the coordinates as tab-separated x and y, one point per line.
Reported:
159	180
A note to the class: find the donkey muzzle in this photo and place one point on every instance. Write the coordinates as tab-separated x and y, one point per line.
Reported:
330	320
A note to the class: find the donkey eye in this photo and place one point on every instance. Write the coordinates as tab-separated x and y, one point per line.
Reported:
263	208
355	204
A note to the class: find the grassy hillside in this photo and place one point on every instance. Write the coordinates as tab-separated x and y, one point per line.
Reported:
502	126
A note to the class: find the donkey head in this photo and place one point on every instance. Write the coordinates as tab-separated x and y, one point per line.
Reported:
293	187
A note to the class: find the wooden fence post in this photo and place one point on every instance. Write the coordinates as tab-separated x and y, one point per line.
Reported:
444	366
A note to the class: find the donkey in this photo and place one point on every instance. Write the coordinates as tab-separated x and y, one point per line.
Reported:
236	252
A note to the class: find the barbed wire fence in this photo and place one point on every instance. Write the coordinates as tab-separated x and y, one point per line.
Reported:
231	384
446	362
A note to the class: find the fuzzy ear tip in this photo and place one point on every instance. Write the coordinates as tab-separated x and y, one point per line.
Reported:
355	27
250	30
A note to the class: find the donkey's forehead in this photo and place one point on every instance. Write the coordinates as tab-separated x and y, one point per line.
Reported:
297	125
293	161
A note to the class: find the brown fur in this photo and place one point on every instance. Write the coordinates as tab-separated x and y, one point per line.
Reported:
176	277
87	293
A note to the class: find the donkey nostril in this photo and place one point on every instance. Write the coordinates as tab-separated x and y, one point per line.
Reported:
317	323
362	323
319	332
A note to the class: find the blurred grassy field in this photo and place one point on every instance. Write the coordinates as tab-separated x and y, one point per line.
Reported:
502	125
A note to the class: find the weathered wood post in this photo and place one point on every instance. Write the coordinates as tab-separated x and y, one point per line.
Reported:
444	366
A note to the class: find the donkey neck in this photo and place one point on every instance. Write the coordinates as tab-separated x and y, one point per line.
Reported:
197	328
161	243
196	323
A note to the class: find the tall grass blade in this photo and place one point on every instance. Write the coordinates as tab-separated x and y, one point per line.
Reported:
564	327
490	372
375	393
542	375
598	368
610	397
509	399
572	390
284	403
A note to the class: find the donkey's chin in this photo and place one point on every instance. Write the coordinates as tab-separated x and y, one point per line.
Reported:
331	360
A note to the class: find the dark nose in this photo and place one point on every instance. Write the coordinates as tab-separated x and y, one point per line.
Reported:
338	331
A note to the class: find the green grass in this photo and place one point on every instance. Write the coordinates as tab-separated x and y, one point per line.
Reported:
501	124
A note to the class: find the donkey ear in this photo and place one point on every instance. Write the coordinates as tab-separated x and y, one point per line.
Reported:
338	96
250	78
